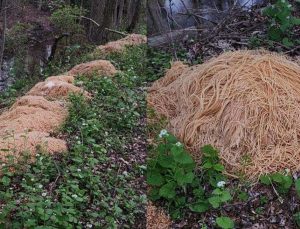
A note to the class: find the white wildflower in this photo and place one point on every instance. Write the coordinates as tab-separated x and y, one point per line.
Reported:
32	179
78	170
3	164
289	6
44	194
74	196
221	184
40	186
89	225
287	172
163	133
178	144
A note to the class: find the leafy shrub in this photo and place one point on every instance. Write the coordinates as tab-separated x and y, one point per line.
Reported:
281	22
174	179
157	63
283	182
17	36
66	19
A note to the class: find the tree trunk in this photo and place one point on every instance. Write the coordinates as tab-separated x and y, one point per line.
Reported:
113	14
4	10
135	16
155	18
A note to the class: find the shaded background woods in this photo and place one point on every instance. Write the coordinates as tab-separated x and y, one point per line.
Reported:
58	31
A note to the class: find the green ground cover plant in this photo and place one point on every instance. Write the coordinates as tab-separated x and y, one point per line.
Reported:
174	179
281	22
95	184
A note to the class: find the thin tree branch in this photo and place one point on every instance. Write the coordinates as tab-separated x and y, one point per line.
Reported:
117	32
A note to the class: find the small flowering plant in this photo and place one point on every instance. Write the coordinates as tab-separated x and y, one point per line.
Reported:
173	177
170	172
281	22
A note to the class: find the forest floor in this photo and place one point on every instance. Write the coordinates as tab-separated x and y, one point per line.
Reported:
100	182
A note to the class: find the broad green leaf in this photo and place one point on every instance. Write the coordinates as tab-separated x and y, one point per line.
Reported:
243	196
154	194
166	161
218	167
154	178
207	165
209	151
275	33
287	42
180	156
226	196
179	176
198	192
217	191
297	186
168	190
277	177
5	180
265	179
189	177
225	222
199	207
214	201
171	139
288	181
295	21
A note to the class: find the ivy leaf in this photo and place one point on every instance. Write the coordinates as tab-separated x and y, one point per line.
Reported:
225	222
168	190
